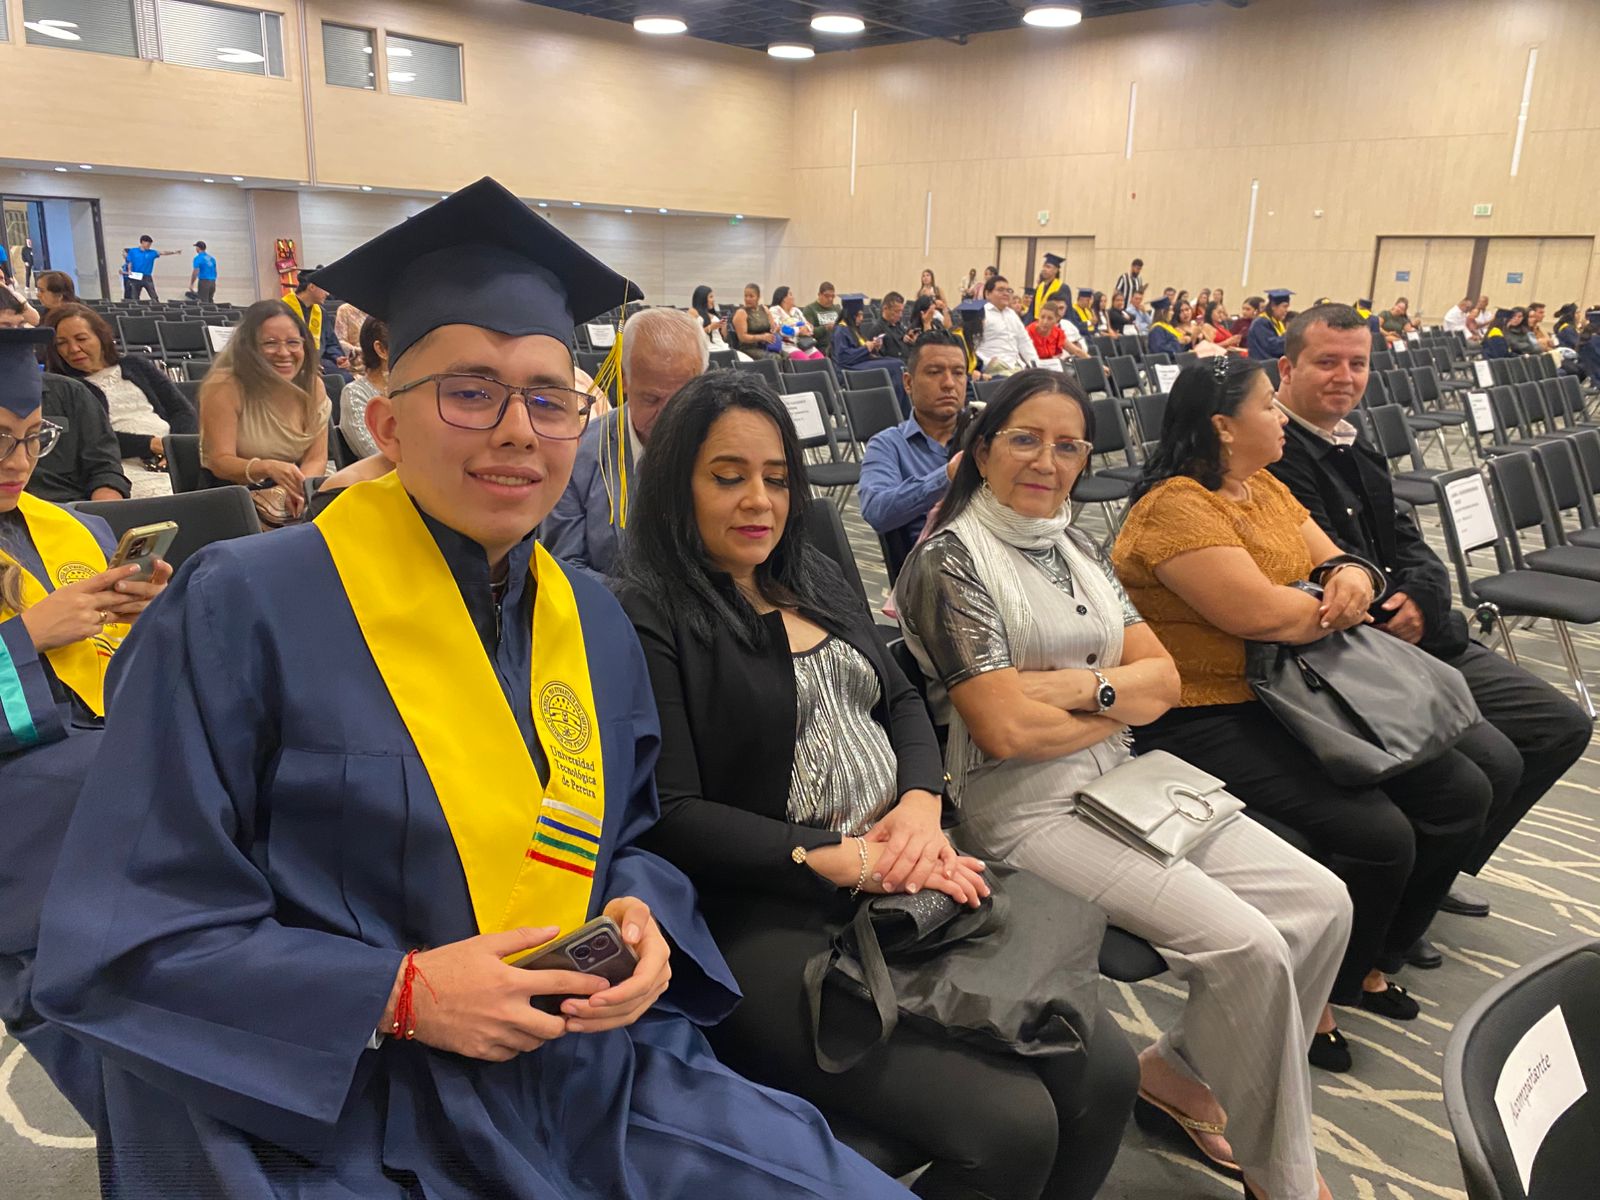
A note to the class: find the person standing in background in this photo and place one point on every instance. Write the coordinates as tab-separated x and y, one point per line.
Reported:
27	262
5	265
140	262
203	274
1132	280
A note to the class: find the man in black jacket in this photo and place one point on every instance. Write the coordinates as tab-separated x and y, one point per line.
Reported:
1531	733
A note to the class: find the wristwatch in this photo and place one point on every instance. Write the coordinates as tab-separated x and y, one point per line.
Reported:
1105	695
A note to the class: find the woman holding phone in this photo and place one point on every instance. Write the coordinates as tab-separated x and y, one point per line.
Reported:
63	614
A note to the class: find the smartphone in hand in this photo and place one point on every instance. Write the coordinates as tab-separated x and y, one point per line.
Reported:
596	948
143	544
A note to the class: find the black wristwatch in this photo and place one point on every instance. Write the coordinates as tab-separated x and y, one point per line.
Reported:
1105	695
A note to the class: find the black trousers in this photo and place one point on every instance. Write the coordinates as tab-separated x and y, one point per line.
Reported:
146	284
1540	734
994	1127
206	289
1397	845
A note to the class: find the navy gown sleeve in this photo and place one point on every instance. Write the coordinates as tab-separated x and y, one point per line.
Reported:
1162	342
160	944
847	351
29	715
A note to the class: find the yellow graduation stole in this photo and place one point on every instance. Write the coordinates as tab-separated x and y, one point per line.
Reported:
313	322
528	851
70	554
1042	294
1170	329
1277	325
1088	317
1360	312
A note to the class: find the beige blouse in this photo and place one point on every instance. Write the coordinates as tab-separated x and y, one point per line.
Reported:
265	432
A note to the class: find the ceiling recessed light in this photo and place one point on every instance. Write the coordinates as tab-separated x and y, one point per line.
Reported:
227	54
791	50
238	178
1052	16
444	195
544	204
627	210
61	168
366	187
662	211
208	181
577	204
837	22
55	29
660	24
85	167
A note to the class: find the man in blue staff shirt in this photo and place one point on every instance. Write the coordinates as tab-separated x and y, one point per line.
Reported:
203	276
140	261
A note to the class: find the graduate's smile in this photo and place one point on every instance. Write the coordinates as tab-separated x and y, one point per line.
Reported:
507	481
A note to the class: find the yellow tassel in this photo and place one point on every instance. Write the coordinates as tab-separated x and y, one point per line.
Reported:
615	474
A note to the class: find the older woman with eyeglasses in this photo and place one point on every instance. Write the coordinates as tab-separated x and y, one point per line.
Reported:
1046	665
63	614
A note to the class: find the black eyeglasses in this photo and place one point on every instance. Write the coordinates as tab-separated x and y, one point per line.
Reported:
480	402
36	445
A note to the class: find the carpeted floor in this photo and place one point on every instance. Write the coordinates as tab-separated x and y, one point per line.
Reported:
1382	1133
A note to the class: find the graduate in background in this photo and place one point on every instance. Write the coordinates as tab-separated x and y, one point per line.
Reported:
1265	339
63	614
354	766
1083	315
1049	285
1165	337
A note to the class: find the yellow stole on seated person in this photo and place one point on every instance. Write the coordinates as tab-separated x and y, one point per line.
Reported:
1042	294
70	554
528	851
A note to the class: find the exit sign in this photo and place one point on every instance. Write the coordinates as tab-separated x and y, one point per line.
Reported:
1483	210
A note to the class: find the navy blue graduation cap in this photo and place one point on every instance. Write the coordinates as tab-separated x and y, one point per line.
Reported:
21	383
1364	303
1055	260
852	303
1161	304
481	257
1085	293
1278	295
970	308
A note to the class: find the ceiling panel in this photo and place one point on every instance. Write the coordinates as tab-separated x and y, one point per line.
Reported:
755	24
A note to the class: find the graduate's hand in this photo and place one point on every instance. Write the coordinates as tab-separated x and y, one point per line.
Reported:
134	595
77	611
467	1000
624	1003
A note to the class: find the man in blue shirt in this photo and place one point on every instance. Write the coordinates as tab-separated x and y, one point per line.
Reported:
203	277
140	261
906	469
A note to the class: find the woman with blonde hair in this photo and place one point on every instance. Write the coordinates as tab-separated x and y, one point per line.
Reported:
264	412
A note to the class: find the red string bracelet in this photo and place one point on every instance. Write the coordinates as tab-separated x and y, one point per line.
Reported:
405	1012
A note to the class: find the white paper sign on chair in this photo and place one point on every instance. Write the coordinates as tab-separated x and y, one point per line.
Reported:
601	335
1480	367
806	413
1540	1080
1472	512
1167	375
1482	413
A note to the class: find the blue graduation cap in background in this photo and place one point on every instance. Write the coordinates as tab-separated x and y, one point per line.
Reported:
21	383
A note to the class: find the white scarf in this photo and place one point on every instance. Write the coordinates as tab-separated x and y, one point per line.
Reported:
986	528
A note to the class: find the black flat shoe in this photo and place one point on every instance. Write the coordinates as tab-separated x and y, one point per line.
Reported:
1329	1052
1424	955
1464	906
1393	1002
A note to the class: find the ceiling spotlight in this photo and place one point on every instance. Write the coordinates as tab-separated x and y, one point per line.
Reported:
791	50
544	204
659	24
238	178
208	181
837	22
366	187
444	195
1053	16
627	210
85	167
56	29
662	211
577	204
738	216
61	168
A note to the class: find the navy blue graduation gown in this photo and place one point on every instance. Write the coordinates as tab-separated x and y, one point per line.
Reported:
1264	341
1162	342
39	782
251	858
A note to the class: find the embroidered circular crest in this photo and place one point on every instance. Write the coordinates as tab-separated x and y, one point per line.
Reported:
74	572
564	714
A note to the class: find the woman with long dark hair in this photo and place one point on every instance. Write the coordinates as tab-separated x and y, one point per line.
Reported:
798	766
704	303
1046	665
854	352
1212	552
264	412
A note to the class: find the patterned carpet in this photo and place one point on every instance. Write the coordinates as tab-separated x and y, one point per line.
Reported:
1381	1130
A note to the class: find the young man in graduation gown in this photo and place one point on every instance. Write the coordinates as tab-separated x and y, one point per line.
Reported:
63	614
354	767
1049	286
1082	314
1264	340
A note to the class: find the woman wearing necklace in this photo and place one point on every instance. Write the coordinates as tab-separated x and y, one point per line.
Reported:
798	766
1046	665
1211	553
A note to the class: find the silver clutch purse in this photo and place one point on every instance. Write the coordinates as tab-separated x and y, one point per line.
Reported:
1159	804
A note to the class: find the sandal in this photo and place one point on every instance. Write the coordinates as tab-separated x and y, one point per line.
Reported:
1158	1118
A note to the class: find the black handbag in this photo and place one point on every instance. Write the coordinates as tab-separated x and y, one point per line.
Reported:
1366	704
1017	975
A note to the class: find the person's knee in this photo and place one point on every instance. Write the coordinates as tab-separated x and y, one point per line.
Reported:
1381	843
1007	1145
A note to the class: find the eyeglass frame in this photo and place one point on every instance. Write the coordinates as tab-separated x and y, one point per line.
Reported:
512	391
44	428
1088	446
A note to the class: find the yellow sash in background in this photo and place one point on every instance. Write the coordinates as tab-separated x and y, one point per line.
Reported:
70	554
1042	294
528	851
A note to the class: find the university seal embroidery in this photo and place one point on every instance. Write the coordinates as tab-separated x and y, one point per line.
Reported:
563	712
74	572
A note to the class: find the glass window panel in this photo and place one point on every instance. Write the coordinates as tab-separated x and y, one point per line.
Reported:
214	36
347	58
423	68
103	26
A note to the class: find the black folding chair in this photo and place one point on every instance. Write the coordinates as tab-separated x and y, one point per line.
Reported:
1092	376
1567	491
1394	440
832	474
867	377
139	333
182	341
1523	506
212	515
872	410
1125	378
768	368
182	452
826	530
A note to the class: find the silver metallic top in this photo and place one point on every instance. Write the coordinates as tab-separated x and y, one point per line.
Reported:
844	767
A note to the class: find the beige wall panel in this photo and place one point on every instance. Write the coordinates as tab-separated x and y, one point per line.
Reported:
1508	256
1444	280
334	223
176	214
274	214
1563	270
1013	262
1397	255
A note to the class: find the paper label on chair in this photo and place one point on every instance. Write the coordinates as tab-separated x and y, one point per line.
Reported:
1481	411
1540	1080
806	412
1470	509
218	336
601	335
1166	375
1480	368
1052	364
1413	337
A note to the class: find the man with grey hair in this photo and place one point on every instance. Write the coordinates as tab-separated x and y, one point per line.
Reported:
662	349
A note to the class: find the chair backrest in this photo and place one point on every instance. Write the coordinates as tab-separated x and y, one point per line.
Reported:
1124	372
1486	1041
1471	521
194	369
1572	392
1401	389
182	452
1541	366
816	439
1393	435
1105	345
138	333
1381	360
868	377
1555	400
1091	376
1522	502
1426	382
768	368
1508	414
1565	488
183	338
872	410
1586	444
1149	411
723	358
1377	391
1541	417
986	388
344	454
203	517
1440	354
1186	358
191	389
589	361
1110	435
825	528
1270	366
1516	370
1129	344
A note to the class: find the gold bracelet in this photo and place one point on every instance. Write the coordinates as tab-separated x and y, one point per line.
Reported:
861	880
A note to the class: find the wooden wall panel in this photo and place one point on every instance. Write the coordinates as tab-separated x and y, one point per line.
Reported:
1445	278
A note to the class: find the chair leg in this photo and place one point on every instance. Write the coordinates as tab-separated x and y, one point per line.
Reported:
1444	449
1489	614
1564	636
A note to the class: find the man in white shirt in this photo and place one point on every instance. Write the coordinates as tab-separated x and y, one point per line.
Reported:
1455	320
1005	347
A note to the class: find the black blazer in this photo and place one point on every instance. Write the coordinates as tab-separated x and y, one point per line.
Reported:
1348	494
165	397
727	749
